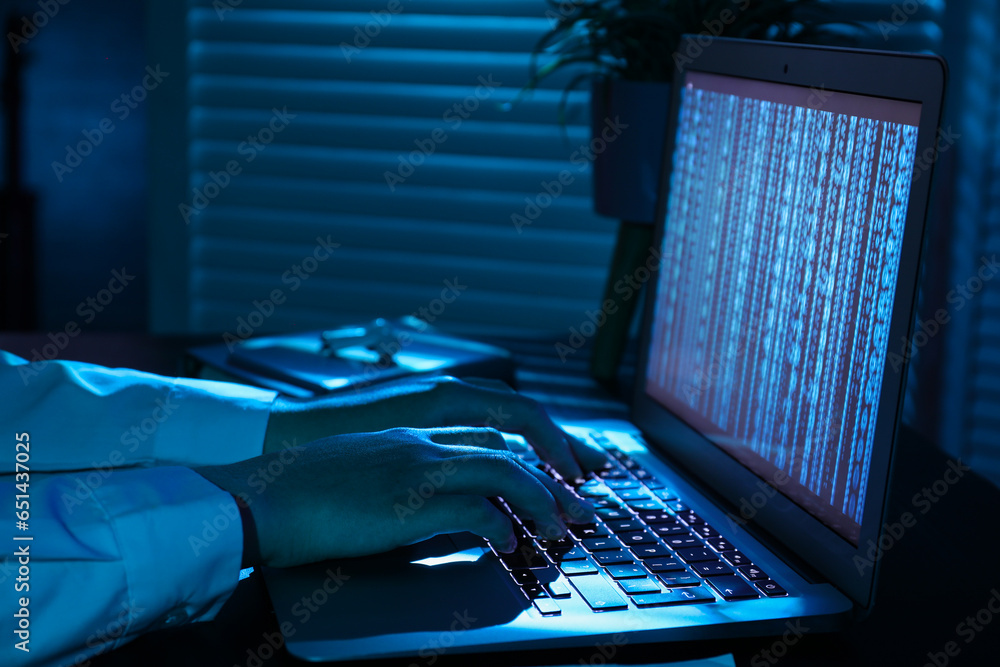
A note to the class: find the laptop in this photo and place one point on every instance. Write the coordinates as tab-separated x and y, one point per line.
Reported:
748	491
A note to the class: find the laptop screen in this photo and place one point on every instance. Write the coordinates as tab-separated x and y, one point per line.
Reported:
781	247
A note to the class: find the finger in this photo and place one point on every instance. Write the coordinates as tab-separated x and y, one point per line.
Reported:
445	513
572	508
518	414
591	457
467	436
489	473
529	419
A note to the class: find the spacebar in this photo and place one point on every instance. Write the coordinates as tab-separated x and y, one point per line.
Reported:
598	593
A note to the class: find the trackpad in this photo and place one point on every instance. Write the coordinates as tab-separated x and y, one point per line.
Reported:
439	585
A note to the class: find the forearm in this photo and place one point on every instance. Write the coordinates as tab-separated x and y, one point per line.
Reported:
295	422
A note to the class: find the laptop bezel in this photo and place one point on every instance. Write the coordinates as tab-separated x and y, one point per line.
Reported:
916	78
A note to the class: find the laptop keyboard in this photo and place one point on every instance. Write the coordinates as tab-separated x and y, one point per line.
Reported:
645	548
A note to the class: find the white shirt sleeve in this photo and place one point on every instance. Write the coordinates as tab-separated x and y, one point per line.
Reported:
83	417
148	549
120	547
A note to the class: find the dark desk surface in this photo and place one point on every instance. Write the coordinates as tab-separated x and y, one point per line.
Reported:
944	569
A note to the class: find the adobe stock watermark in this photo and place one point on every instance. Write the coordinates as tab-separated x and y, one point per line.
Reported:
403	338
88	309
967	630
229	514
223	7
551	190
628	286
32	24
436	647
750	506
121	108
923	501
294	277
946	138
364	34
454	116
780	647
958	297
303	610
713	28
249	149
130	439
902	12
106	638
706	377
418	496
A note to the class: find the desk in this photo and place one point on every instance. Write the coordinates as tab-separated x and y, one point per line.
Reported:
942	570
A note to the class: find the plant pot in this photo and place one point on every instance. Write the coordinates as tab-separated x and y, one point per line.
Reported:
629	119
628	126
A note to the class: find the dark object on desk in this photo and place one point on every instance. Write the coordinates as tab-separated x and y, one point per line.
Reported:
349	358
18	307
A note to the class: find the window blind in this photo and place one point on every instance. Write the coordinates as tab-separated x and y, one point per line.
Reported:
971	390
381	127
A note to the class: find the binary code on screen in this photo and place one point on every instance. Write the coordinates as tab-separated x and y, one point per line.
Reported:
784	229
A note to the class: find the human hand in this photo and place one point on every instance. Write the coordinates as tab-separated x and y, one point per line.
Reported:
353	495
432	402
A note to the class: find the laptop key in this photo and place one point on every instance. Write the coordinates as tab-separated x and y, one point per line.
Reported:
605	502
690	518
720	544
667	529
644	551
753	573
687	541
679	579
705	531
524	559
608	513
558	588
644	505
696	595
547	607
698	555
599	594
711	569
633	494
577	567
584	530
612	557
770	589
657	517
627	572
733	588
534	591
524	577
658	565
625	526
639	586
735	558
601	544
618	484
560	555
665	494
645	537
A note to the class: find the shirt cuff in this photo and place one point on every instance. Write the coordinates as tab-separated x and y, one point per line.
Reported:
181	541
219	423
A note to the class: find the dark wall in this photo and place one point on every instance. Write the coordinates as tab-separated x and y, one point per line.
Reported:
92	220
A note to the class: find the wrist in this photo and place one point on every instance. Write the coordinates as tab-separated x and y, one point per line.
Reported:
251	540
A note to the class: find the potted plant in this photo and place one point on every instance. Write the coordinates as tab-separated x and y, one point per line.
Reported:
629	47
